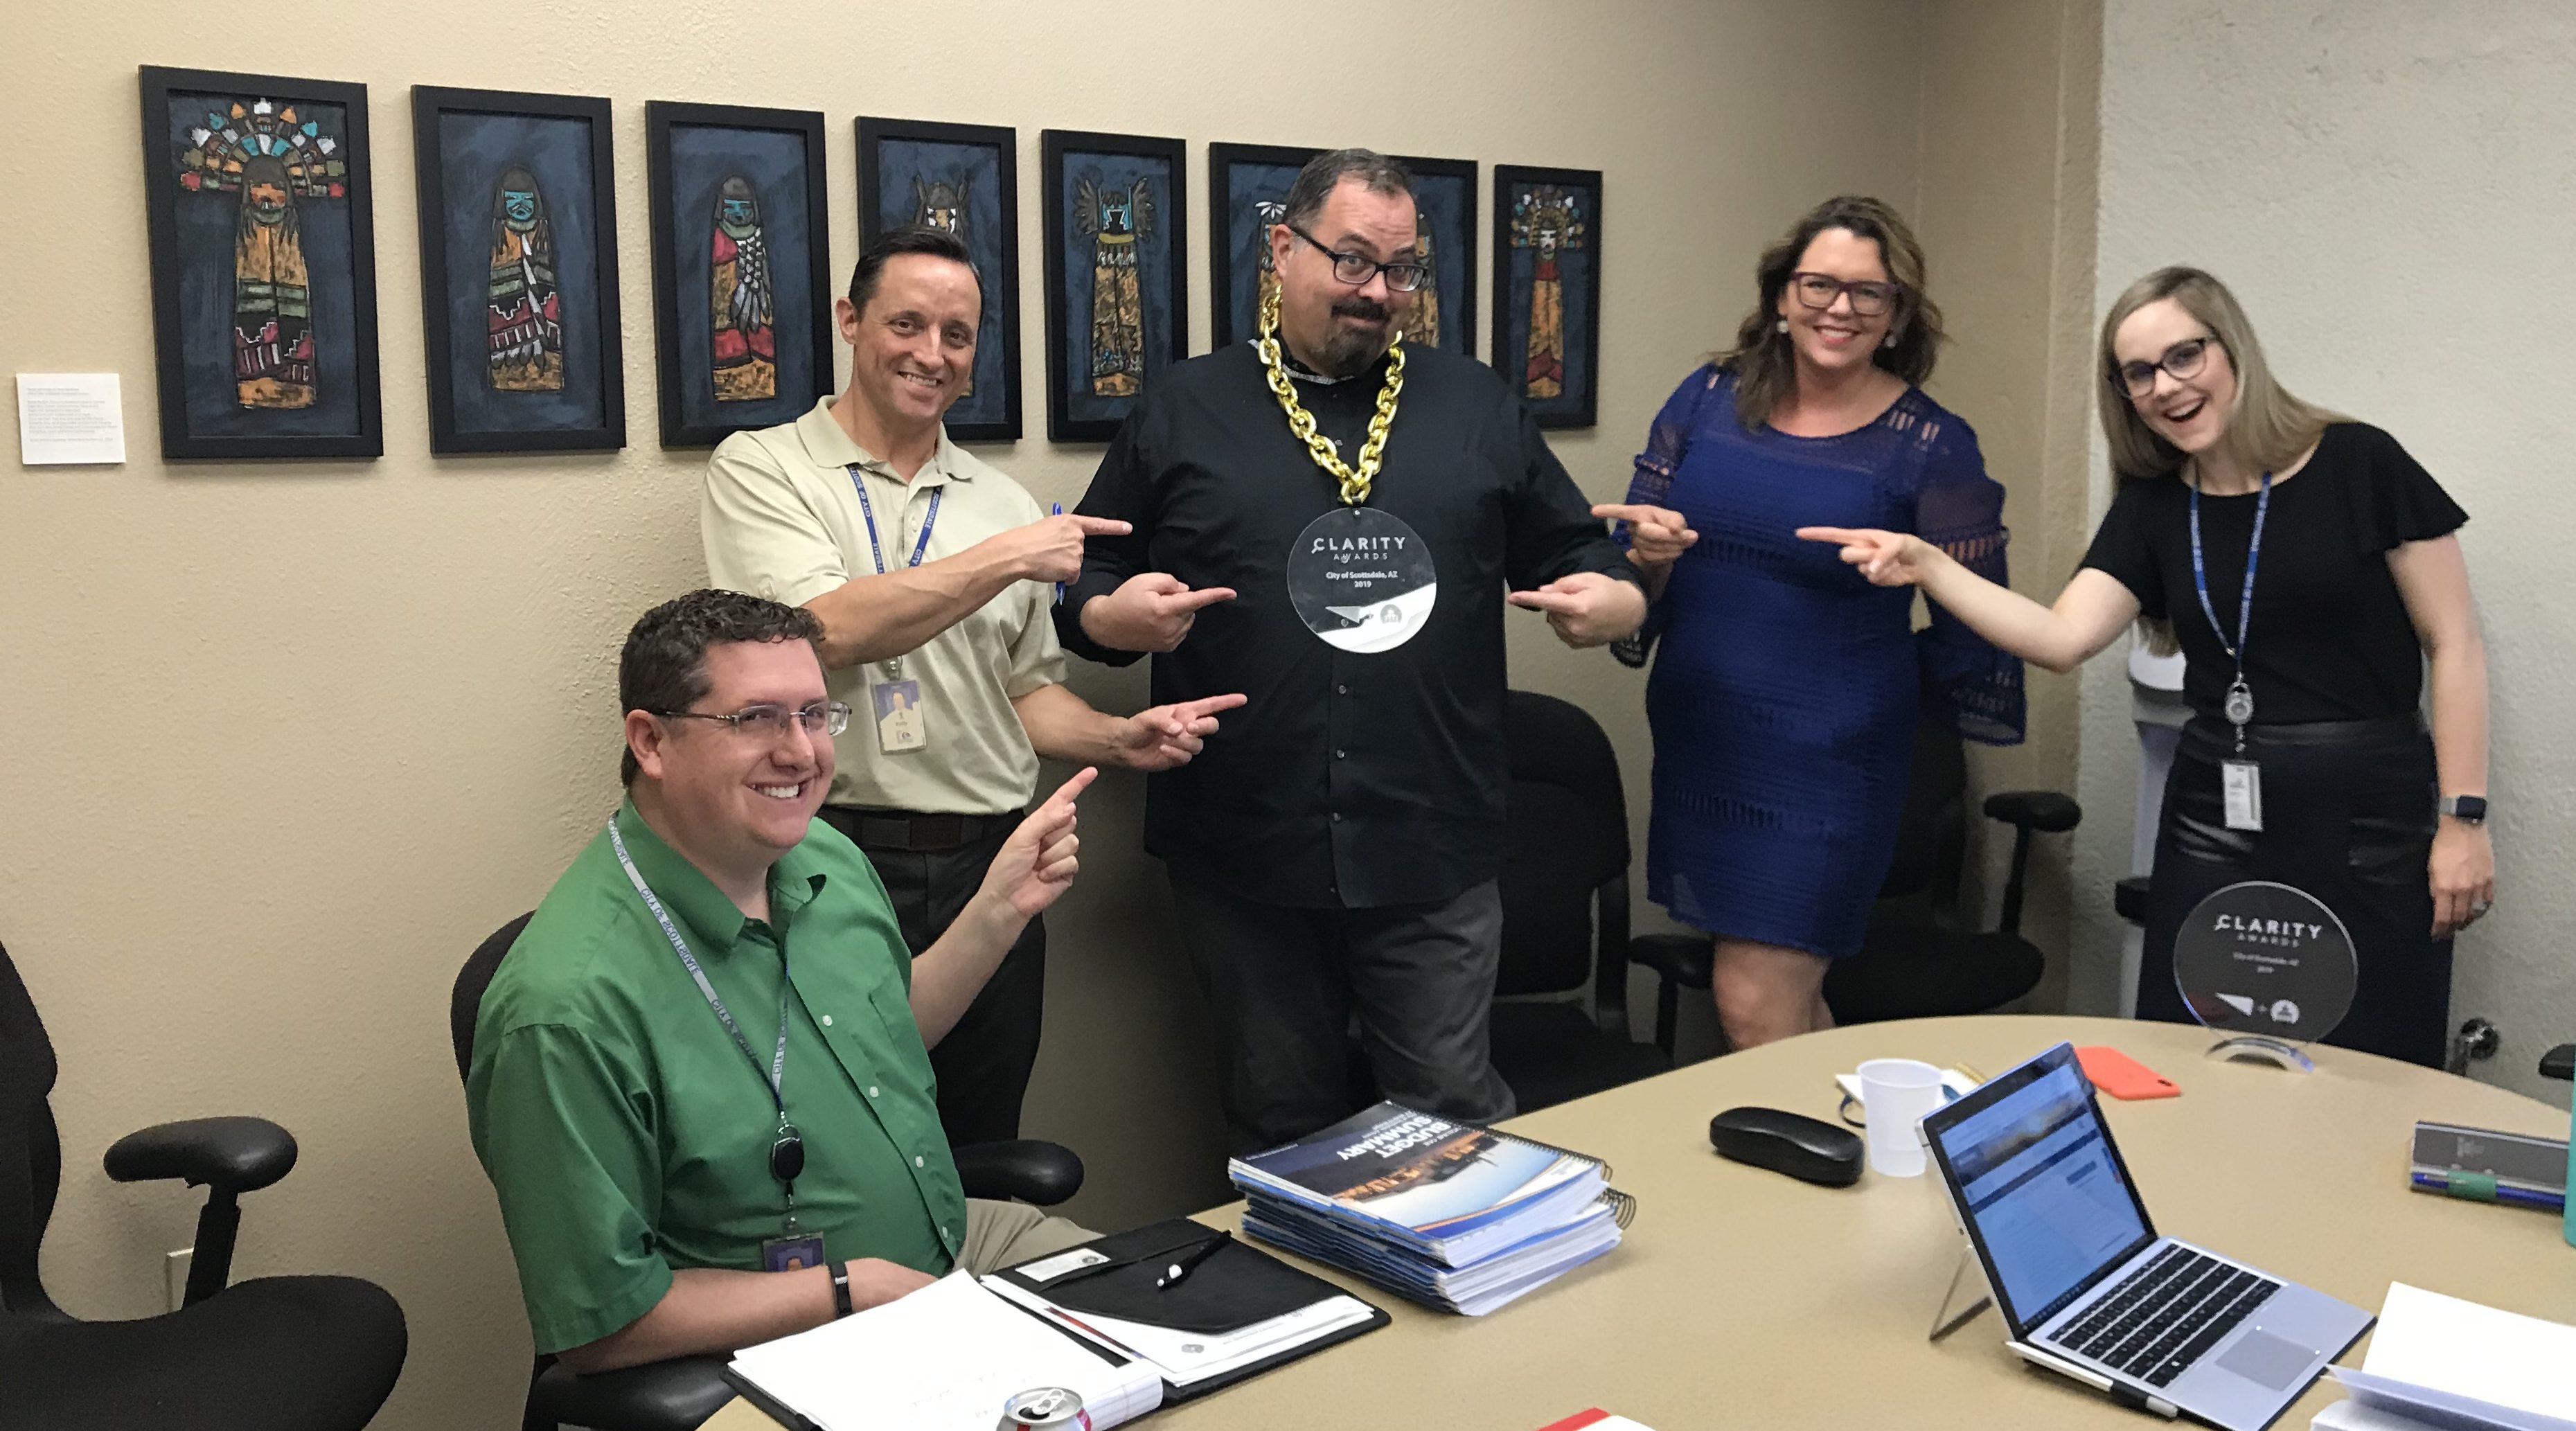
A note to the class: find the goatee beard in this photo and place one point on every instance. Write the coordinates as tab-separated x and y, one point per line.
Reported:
1348	352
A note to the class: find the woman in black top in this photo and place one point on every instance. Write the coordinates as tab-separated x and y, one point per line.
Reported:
2359	581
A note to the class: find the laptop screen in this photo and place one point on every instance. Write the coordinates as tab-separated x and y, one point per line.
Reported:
2039	1184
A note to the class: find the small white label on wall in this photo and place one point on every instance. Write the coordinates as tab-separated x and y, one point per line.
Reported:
69	418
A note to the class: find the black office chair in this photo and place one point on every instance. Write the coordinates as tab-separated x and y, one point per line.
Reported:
1912	963
2559	1062
1565	911
283	1353
680	1394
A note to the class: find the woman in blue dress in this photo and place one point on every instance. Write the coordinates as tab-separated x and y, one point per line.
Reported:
1787	689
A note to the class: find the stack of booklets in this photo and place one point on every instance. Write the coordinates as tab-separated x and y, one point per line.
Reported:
2438	1363
1444	1213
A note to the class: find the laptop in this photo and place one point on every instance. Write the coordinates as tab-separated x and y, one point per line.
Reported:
2082	1279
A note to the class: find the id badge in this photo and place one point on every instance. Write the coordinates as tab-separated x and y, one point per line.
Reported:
900	724
2241	782
791	1254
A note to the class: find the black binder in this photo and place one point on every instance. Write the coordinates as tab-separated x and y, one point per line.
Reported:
1237	1285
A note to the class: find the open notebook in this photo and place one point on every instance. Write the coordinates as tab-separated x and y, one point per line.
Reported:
944	1358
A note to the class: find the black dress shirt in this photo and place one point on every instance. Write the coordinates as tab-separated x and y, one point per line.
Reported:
1349	780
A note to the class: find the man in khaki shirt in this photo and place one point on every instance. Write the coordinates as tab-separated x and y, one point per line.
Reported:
934	576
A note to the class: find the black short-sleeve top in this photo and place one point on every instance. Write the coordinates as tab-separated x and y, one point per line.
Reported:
2330	637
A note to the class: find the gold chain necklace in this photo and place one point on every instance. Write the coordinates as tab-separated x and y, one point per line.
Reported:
1301	423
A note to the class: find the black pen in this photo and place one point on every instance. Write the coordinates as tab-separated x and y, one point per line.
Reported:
1173	1274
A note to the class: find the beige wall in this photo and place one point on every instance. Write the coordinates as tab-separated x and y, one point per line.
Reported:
2384	185
2005	213
280	742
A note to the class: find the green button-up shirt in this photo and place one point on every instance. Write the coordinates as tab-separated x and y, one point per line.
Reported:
623	1128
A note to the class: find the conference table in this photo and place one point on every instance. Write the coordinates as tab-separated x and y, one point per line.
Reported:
1744	1298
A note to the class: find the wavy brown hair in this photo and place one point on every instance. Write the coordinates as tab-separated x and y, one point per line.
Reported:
1763	360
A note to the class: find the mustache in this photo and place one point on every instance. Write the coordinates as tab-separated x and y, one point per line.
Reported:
1368	308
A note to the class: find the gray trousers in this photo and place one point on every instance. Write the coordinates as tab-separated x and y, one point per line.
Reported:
1286	985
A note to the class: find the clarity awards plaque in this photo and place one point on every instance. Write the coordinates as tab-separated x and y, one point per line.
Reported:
1361	579
2269	965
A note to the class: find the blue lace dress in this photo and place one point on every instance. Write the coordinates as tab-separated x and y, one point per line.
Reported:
1786	691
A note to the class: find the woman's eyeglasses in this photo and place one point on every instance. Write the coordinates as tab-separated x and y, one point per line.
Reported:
1819	290
2184	360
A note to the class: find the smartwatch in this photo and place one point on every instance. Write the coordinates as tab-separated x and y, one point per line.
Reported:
840	1289
2467	809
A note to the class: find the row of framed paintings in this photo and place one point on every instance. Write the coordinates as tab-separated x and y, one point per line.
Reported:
260	204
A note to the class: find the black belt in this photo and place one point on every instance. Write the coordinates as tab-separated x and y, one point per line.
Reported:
913	830
2208	733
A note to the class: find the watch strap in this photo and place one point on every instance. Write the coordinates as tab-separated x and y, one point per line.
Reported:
840	1289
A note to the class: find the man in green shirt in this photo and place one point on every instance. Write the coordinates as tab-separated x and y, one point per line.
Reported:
700	1081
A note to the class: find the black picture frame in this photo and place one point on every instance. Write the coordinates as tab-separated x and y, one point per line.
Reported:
321	342
466	143
1241	176
1162	272
1577	381
686	147
893	152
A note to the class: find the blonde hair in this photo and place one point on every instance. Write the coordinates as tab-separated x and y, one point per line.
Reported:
1763	361
2268	427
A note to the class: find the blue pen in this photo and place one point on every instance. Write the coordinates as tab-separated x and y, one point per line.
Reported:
1056	509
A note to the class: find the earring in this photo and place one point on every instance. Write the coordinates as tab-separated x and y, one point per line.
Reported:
1890	343
1780	325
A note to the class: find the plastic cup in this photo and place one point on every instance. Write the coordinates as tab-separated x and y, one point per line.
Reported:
1897	1092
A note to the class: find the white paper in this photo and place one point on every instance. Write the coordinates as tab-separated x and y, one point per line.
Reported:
69	418
2465	1349
944	1358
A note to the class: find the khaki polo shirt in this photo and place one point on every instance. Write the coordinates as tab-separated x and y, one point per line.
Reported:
780	518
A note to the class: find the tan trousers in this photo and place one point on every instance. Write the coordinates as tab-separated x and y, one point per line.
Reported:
1006	1234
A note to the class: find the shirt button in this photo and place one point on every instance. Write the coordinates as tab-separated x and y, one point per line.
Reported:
1337	755
827	1021
1341	690
1337	817
916	1162
872	1090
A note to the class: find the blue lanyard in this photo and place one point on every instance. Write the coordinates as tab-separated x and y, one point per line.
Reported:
2200	574
868	511
778	1062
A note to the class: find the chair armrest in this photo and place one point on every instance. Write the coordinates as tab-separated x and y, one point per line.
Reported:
2043	810
1024	1168
674	1395
1683	959
2559	1062
233	1155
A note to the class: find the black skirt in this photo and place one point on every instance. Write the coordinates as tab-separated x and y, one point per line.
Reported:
2348	816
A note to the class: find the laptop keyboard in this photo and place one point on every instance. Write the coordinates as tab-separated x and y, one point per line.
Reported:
2166	1315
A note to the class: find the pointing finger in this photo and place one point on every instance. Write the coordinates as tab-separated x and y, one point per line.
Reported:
1546	600
1100	526
1209	705
1844	535
1186	602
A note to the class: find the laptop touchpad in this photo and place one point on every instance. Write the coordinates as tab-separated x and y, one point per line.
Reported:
2273	1361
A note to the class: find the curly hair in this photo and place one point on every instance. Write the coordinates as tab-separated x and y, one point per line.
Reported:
664	665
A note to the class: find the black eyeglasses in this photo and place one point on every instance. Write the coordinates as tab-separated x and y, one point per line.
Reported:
1356	269
771	722
2183	360
1868	298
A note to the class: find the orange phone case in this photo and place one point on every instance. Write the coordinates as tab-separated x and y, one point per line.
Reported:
2121	1076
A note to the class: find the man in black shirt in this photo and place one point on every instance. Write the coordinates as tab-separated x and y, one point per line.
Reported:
1334	849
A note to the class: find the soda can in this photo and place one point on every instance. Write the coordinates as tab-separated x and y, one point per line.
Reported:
1045	1408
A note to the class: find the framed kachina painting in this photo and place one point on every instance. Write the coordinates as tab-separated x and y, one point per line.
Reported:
742	288
1117	293
259	199
518	271
963	178
1547	289
1247	193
